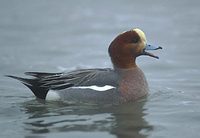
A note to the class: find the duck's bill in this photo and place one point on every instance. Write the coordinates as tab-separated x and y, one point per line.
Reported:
151	47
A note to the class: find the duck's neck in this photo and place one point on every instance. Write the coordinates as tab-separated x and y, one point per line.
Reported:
124	63
124	71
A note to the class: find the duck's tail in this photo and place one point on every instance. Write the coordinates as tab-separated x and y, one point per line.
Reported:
33	85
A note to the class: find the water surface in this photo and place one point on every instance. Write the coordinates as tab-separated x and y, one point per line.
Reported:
53	36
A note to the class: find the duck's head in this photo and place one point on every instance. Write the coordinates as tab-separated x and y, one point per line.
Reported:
127	46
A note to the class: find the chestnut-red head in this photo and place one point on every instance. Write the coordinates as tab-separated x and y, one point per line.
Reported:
128	45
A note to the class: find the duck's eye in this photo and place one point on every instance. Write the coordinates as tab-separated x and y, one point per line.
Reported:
135	40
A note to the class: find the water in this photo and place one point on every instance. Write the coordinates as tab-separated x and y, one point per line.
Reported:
56	35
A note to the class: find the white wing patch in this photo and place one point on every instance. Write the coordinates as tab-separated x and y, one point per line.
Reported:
54	96
96	88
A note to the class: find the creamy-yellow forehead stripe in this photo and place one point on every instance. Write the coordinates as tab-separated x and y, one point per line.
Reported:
141	34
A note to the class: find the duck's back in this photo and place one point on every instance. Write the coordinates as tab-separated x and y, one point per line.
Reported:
109	86
91	85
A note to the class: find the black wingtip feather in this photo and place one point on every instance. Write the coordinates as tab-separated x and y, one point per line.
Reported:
40	74
23	80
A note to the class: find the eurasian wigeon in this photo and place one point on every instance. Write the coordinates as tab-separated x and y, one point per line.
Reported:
124	83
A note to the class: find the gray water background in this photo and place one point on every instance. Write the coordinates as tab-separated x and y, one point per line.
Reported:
52	36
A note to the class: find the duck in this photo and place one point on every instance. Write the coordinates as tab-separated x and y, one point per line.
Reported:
123	83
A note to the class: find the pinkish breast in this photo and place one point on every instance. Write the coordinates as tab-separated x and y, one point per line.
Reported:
133	84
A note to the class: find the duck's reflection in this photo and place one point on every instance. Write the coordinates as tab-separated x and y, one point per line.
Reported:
121	121
130	121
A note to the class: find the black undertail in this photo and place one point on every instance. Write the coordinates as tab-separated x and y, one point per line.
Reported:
34	86
41	83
